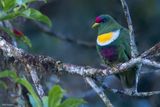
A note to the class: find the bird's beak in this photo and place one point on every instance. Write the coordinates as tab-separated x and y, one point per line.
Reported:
95	25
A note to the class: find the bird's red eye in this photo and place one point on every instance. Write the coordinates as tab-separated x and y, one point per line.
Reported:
98	20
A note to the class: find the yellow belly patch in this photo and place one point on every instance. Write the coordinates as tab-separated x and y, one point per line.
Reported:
103	38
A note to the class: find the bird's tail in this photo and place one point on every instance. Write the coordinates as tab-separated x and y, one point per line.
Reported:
128	78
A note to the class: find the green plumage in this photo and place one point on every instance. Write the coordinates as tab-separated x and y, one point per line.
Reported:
118	51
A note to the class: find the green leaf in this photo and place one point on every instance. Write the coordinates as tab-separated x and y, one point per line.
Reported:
55	96
5	16
6	5
36	15
29	87
45	101
32	101
1	4
72	102
7	73
26	40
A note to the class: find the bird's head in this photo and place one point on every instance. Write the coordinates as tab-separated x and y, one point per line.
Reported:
103	20
108	29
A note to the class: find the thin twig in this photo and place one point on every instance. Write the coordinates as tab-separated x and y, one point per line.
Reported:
150	71
153	56
99	91
134	51
19	97
36	81
151	63
132	93
137	76
154	51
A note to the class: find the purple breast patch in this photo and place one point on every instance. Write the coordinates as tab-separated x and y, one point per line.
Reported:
110	53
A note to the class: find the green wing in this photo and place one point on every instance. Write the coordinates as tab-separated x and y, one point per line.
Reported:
127	78
126	42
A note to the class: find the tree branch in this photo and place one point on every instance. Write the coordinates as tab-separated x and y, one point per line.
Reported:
155	71
155	50
99	91
132	93
49	63
36	81
134	51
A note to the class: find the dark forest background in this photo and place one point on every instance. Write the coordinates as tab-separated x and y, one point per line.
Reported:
73	19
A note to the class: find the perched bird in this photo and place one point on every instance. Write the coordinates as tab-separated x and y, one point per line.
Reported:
113	47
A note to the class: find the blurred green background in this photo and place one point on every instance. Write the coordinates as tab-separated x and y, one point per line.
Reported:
73	19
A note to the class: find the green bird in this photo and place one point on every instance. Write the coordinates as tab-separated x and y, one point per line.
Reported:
113	46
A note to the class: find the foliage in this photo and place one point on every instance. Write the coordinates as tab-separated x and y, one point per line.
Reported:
10	9
54	98
18	35
23	82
